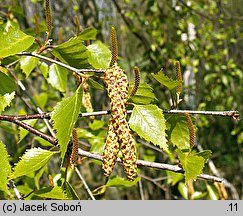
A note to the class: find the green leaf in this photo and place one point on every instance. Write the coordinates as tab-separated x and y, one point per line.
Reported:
5	100
31	161
4	167
148	121
205	154
100	55
51	193
192	164
44	69
93	84
73	53
64	116
173	177
71	193
88	34
28	64
179	131
7	84
98	143
41	99
182	189
120	182
212	192
58	77
96	124
13	40
83	133
144	94
166	81
23	132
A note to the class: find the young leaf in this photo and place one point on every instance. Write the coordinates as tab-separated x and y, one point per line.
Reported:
192	164
120	182
5	100
212	192
205	154
31	161
148	121
58	77
144	94
88	34
64	116
28	64
100	55
179	132
4	167
51	193
72	52
166	81
7	84
13	40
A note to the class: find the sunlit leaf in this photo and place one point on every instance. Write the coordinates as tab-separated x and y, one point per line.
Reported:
58	77
73	53
166	81
88	34
144	94
183	190
5	100
13	40
179	131
4	167
192	164
100	55
28	64
64	116
32	160
148	121
44	69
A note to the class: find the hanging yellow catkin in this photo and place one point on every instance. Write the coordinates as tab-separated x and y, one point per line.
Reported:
114	47
178	77
111	150
74	154
48	15
117	86
136	81
86	100
191	130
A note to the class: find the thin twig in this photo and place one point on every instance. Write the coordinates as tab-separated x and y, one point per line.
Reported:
76	70
84	183
140	185
39	110
173	168
233	114
153	181
16	191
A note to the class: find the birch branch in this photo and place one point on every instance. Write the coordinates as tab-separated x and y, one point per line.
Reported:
173	168
233	114
75	70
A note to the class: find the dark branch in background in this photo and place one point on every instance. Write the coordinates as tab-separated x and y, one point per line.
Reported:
173	168
73	69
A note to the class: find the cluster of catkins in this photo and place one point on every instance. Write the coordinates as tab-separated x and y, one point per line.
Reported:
118	129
